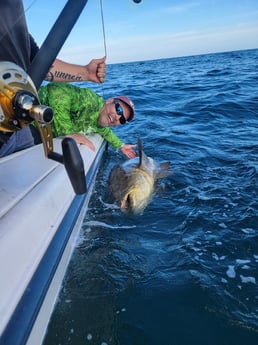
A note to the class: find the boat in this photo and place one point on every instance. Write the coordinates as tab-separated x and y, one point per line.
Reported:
44	196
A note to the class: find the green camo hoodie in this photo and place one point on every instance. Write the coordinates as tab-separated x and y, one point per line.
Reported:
76	110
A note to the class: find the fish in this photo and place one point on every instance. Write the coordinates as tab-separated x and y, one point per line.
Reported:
132	183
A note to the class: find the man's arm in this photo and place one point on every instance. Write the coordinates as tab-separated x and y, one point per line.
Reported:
62	71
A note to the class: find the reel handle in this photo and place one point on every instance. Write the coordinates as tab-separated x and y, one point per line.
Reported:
73	163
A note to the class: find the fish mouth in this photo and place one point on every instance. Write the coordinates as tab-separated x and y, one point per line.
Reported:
131	205
126	203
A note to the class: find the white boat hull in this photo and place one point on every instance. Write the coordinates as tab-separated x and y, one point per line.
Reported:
40	216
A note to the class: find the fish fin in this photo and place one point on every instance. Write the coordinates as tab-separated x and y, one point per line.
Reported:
139	142
165	165
143	159
163	170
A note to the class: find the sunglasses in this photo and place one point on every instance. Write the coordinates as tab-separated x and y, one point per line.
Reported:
119	111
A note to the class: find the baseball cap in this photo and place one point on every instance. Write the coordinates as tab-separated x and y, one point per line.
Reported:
130	104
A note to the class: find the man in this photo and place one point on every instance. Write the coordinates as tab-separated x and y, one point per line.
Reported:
80	111
16	46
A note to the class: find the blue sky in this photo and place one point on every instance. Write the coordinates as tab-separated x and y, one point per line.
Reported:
152	29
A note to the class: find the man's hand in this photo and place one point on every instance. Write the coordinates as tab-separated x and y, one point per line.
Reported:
128	150
97	70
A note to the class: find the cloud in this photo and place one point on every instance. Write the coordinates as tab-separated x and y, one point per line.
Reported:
155	46
180	8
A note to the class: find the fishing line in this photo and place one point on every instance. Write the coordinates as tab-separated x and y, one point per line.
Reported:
103	27
104	39
29	6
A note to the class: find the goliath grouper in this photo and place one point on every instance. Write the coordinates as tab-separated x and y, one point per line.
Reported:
132	183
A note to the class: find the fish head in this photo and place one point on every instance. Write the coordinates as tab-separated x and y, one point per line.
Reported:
138	194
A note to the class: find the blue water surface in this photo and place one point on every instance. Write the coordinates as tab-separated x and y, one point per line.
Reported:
185	272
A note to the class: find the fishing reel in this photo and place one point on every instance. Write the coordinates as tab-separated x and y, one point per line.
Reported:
19	106
19	102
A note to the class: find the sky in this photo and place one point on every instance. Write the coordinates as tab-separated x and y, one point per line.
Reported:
152	29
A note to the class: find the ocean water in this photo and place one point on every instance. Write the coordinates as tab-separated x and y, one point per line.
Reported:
184	272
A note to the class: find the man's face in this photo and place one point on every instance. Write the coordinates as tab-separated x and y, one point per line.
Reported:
113	113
